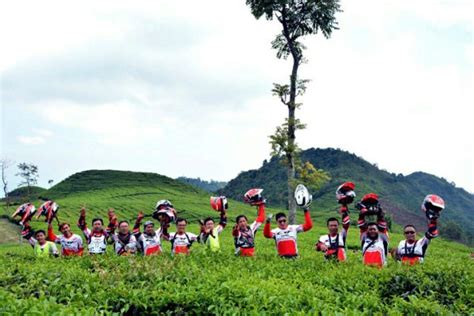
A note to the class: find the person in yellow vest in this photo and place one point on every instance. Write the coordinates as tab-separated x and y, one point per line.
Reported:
209	235
41	247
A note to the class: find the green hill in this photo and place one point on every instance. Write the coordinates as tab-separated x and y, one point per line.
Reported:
20	195
400	195
128	192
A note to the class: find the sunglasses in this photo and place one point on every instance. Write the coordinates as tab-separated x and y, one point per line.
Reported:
282	221
409	232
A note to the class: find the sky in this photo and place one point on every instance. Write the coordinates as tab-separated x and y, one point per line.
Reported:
183	88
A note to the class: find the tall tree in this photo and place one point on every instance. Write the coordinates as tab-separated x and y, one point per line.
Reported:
29	173
297	18
4	165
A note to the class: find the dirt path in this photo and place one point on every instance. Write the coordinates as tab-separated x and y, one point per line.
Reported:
9	233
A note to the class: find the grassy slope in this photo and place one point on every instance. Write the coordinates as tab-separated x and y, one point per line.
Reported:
223	283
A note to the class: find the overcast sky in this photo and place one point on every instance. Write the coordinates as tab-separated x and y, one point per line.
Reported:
184	87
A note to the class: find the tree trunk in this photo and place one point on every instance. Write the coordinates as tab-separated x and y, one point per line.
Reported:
291	142
290	154
5	186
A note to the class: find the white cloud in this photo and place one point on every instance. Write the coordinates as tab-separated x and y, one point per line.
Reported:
31	140
111	124
42	132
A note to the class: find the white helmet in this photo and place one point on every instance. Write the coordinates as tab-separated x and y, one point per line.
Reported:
161	204
302	196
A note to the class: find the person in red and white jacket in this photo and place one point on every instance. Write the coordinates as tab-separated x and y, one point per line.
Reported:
374	235
96	238
149	241
244	235
285	235
71	244
333	245
412	251
181	241
125	243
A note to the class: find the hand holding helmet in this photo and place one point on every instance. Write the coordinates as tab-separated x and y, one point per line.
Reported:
345	193
49	209
219	203
164	212
254	197
302	197
26	212
432	206
369	205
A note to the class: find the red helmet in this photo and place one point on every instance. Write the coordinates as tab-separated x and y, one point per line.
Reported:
48	209
26	211
253	196
369	203
345	193
432	205
219	203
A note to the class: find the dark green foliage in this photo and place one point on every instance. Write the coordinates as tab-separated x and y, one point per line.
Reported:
20	195
452	230
209	186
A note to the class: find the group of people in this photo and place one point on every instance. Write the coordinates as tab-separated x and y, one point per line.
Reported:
126	241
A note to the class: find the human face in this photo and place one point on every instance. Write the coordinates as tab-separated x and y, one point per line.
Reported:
181	227
410	234
209	225
97	226
373	231
282	223
333	227
242	223
41	238
123	228
149	229
66	230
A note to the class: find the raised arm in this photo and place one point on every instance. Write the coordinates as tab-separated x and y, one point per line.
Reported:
261	214
136	227
51	235
81	223
27	233
381	223
308	222
362	223
346	221
222	222
113	222
432	231
267	230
